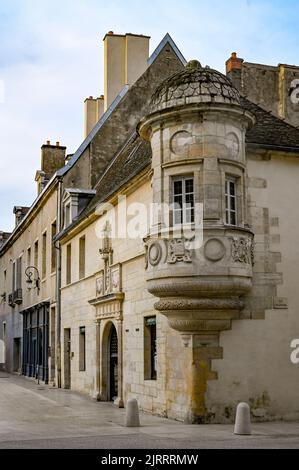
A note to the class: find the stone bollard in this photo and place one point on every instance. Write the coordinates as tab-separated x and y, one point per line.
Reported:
243	424
132	414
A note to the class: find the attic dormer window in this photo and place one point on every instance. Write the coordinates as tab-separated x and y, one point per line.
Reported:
67	215
74	202
70	204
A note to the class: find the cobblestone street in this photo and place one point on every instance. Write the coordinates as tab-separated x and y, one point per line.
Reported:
35	416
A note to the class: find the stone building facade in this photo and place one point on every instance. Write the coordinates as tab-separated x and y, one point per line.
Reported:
190	308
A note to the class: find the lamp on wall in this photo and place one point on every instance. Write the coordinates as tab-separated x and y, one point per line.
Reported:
33	278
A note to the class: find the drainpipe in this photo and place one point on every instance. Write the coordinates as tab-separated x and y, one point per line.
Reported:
58	286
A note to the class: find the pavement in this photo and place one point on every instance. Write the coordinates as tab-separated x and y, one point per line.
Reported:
36	416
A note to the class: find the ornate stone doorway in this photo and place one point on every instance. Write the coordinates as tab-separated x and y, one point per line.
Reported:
109	321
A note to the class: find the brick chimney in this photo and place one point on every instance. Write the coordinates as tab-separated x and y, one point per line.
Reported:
52	159
234	63
234	69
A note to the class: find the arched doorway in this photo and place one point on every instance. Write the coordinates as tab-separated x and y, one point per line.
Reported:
113	364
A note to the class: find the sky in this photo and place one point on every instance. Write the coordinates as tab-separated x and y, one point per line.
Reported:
51	59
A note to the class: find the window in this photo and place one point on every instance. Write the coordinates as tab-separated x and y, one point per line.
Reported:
67	215
4	342
69	264
82	349
183	200
231	201
150	348
82	258
44	256
52	341
29	256
14	278
53	249
19	273
36	254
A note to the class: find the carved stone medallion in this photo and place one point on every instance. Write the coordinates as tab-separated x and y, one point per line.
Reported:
214	250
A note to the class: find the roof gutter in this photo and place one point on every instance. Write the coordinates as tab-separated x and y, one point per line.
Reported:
277	148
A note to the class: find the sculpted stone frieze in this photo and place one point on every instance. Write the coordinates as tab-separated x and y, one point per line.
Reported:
109	280
175	250
242	250
178	251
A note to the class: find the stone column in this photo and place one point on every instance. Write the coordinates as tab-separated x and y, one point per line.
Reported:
202	349
97	381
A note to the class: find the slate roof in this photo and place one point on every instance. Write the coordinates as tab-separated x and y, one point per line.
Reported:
134	157
270	131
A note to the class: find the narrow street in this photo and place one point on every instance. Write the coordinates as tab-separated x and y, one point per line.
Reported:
35	416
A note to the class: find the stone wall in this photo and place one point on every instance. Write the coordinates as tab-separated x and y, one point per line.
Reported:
276	89
256	366
29	233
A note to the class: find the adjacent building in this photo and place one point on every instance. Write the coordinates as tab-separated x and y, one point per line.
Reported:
159	261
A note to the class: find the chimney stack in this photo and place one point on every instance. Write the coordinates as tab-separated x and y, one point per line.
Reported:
125	60
234	63
234	69
93	111
52	159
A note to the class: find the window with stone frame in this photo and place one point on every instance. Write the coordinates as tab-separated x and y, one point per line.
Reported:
67	215
82	349
36	254
183	200
231	217
53	248
44	255
82	256
69	264
150	348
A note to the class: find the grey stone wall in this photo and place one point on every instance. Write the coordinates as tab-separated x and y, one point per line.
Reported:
276	89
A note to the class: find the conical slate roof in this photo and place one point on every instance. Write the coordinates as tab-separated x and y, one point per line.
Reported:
194	84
